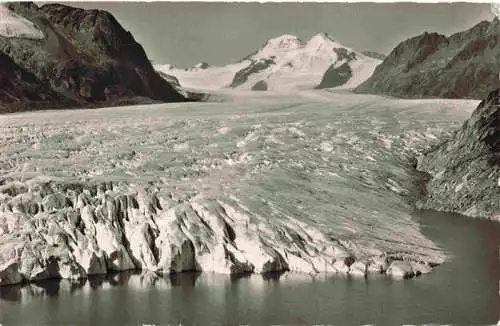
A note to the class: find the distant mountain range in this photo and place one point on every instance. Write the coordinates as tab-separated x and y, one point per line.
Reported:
463	65
284	63
57	56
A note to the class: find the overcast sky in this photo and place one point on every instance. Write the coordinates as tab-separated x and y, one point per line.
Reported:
183	34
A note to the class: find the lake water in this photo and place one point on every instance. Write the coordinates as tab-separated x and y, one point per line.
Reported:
462	291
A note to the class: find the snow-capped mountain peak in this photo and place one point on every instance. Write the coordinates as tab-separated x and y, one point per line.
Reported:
286	41
323	41
320	39
199	66
287	63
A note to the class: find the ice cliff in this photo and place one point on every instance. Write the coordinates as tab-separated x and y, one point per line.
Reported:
50	229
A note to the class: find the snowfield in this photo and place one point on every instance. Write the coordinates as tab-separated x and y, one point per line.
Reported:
13	25
210	79
311	182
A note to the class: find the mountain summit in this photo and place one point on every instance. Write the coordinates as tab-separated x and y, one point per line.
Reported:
298	65
283	42
319	40
286	63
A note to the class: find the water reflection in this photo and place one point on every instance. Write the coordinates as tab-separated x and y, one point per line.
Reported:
45	288
144	280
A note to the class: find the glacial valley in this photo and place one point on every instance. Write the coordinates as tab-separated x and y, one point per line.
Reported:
313	182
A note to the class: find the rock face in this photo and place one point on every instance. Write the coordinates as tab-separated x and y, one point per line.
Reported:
465	169
85	56
19	88
375	55
464	65
335	76
174	81
199	66
257	66
260	86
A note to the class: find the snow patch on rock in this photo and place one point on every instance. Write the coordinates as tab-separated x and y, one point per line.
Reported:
13	25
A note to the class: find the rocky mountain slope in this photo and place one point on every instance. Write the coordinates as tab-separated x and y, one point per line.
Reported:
465	169
375	55
463	65
85	56
285	63
20	89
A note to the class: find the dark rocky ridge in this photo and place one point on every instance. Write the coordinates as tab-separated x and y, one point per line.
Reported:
337	76
172	80
86	57
375	55
260	86
464	65
466	168
256	66
334	77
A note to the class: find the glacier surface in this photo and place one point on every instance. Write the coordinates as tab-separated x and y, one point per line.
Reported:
310	182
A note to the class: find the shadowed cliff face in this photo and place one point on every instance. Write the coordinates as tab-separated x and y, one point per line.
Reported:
466	168
486	120
18	87
334	77
85	56
464	65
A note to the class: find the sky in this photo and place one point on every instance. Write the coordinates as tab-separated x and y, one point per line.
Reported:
185	33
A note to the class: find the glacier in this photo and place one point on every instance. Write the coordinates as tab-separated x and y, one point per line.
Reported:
313	182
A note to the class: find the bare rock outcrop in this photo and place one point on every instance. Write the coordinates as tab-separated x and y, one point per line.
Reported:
465	169
463	65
